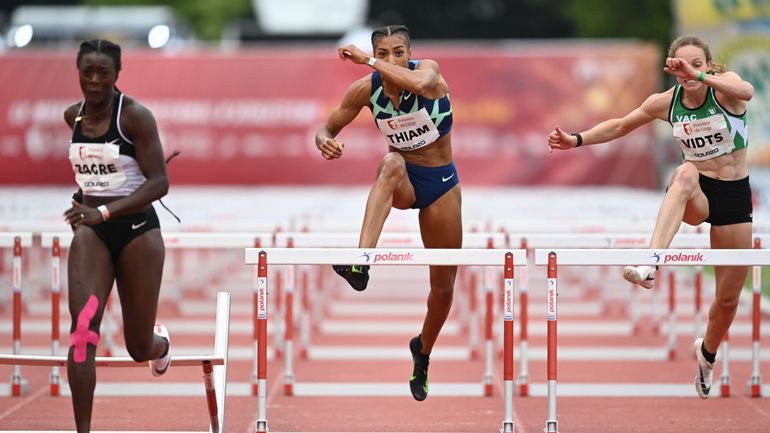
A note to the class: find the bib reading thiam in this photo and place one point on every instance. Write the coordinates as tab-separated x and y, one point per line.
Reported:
408	132
97	166
704	139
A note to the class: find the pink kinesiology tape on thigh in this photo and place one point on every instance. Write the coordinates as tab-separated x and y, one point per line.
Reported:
82	336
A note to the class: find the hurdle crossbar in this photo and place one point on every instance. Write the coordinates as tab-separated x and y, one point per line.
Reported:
385	256
601	257
214	366
662	257
376	257
386	240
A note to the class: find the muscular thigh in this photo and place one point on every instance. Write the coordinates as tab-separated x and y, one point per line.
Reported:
441	223
139	273
90	271
730	279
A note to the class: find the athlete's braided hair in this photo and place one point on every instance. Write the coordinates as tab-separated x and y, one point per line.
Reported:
100	46
384	31
683	41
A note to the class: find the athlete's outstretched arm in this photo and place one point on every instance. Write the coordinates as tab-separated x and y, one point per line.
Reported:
654	107
355	98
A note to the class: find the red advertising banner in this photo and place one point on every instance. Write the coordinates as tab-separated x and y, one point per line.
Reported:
249	117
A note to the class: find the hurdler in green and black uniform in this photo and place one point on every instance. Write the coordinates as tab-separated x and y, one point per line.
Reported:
708	132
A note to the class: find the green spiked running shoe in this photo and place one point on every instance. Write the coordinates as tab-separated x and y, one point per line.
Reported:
418	383
356	276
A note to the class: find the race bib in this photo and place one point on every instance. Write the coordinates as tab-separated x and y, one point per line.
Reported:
705	138
97	166
409	132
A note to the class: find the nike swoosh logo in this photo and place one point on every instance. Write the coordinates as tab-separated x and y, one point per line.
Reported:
444	179
136	226
407	95
701	379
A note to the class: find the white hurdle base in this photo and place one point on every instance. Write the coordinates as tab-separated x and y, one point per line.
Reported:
6	388
384	389
626	390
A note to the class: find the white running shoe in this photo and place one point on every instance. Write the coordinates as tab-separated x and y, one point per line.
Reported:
159	366
642	275
705	372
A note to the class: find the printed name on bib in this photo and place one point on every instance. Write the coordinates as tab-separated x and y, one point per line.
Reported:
409	132
97	166
702	139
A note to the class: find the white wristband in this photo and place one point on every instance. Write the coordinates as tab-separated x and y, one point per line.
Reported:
104	211
371	61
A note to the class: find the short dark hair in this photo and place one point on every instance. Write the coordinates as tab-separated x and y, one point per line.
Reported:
384	31
100	46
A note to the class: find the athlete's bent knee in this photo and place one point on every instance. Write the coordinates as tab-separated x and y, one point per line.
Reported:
686	179
727	303
392	167
83	335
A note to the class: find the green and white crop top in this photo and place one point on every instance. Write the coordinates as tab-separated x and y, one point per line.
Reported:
708	131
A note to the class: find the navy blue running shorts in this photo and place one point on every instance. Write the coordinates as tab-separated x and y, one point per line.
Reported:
430	183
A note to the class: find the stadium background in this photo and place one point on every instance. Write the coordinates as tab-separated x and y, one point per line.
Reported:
242	106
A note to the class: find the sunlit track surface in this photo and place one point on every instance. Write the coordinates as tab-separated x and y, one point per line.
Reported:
589	362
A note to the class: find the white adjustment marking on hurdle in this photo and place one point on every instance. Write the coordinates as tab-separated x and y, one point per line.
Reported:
181	326
662	257
104	361
8	238
381	353
381	327
620	390
235	353
384	256
383	389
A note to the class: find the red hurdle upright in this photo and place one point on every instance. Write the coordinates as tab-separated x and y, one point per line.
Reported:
755	382
55	378
261	423
551	424
16	379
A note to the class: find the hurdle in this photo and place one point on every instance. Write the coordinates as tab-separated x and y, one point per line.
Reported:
475	240
376	257
214	365
172	240
601	257
533	241
16	240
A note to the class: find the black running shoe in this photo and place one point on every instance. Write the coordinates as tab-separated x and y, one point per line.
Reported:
356	276
418	383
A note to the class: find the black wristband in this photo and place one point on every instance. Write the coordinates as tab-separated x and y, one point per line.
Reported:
580	139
